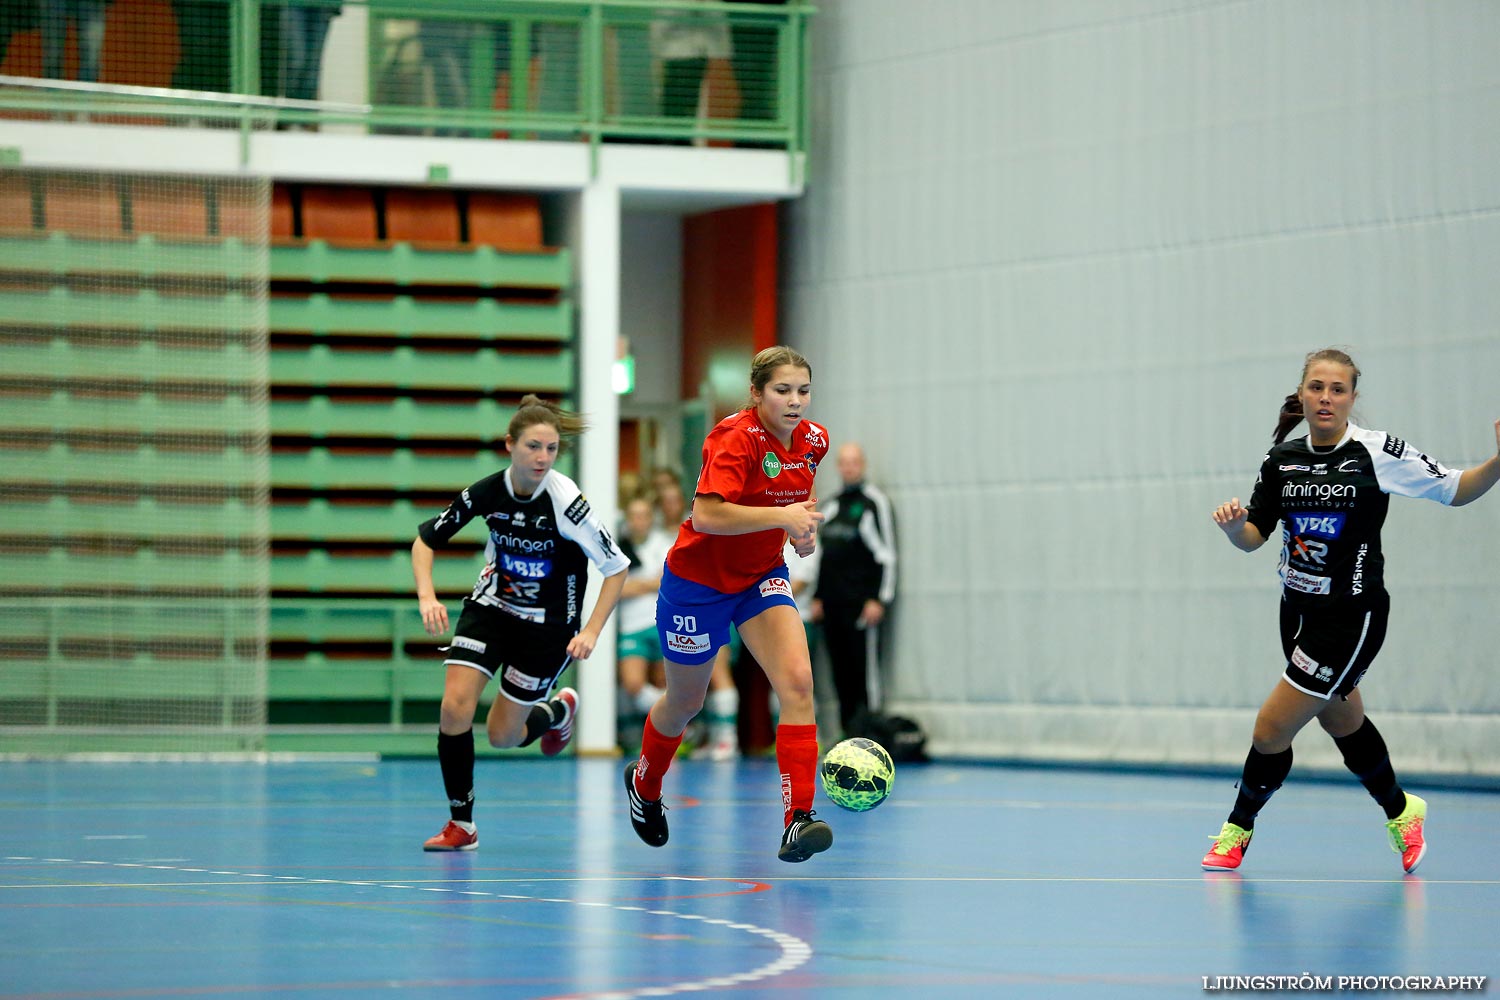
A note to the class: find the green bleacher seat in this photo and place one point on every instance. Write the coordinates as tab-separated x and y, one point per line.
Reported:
141	412
143	571
132	358
412	317
144	309
403	263
319	520
399	468
141	517
143	256
406	367
401	418
61	463
319	571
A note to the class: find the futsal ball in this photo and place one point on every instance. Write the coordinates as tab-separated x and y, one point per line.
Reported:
857	774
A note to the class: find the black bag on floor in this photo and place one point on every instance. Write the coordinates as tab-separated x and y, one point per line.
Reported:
902	738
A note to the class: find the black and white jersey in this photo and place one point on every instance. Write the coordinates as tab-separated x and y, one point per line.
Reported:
1332	503
537	555
859	548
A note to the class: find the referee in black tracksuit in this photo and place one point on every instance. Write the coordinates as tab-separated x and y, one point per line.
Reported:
856	583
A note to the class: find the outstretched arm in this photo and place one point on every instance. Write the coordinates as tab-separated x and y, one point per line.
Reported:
1476	482
434	614
1232	519
581	646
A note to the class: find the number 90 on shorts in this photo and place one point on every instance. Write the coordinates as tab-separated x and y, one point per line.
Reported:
692	620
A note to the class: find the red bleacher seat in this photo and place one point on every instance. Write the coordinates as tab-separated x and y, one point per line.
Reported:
168	207
83	204
15	201
421	215
512	221
339	213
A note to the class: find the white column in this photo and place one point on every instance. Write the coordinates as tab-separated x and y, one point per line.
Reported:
597	242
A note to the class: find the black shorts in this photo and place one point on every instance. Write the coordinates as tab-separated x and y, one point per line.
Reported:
1328	650
527	657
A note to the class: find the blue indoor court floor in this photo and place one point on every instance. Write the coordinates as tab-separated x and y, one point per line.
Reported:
307	879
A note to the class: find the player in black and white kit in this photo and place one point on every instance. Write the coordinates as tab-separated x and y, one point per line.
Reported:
521	623
1330	491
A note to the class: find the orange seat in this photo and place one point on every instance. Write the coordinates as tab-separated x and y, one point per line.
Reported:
141	43
513	221
141	46
15	200
83	205
241	209
283	215
339	213
421	215
168	207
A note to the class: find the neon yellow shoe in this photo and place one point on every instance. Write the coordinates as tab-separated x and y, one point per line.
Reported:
1228	850
1406	833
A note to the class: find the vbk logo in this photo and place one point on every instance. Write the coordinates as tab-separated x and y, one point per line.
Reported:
532	569
1318	525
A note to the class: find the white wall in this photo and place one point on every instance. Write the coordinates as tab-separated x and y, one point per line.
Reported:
1057	266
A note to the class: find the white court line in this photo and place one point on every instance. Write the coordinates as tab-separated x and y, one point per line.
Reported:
794	951
1205	877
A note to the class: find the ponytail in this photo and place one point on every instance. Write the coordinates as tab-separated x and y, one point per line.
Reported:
1289	417
534	410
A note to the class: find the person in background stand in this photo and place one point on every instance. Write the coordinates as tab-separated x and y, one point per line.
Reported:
671	507
715	736
302	30
520	625
755	61
685	41
88	16
641	665
856	584
755	492
1330	491
803	573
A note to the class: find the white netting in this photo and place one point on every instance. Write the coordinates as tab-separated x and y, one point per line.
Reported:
134	462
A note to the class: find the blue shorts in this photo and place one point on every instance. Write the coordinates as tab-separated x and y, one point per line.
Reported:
693	620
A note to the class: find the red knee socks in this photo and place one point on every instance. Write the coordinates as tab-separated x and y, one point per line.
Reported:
797	757
657	752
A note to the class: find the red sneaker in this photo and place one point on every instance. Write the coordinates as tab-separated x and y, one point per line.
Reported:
554	739
453	838
1228	850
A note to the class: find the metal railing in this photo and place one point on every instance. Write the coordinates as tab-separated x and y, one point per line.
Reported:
647	71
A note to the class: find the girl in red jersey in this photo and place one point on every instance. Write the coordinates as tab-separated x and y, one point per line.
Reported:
755	493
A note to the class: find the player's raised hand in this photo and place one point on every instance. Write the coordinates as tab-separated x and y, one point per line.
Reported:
1230	517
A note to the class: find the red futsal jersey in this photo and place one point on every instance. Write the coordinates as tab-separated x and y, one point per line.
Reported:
745	464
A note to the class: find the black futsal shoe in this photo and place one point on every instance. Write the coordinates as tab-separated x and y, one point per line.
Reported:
648	816
804	837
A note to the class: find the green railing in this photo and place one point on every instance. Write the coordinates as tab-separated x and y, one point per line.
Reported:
601	71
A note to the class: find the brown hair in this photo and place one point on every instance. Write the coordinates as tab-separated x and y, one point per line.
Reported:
535	410
766	362
1291	407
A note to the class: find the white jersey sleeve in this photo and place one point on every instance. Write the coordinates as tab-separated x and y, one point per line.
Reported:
578	523
1404	470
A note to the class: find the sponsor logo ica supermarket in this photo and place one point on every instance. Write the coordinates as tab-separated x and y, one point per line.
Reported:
770	465
680	643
